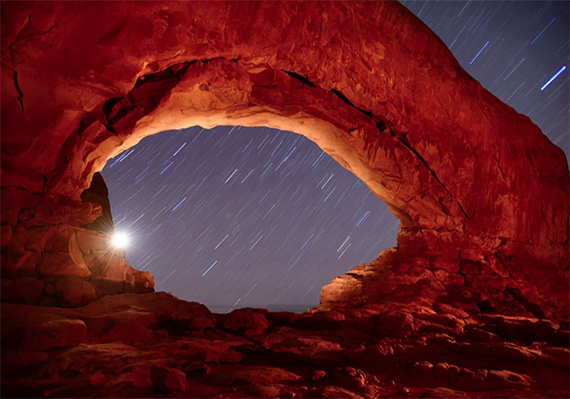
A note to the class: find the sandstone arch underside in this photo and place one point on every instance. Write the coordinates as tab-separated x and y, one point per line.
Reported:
470	179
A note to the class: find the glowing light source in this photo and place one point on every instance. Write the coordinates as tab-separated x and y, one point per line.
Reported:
120	240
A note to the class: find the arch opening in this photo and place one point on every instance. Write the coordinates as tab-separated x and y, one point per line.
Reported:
396	110
243	217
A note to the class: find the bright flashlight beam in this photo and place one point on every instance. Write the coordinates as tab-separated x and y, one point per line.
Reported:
120	240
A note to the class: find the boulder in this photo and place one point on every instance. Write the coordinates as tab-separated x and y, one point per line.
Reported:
247	322
167	379
74	291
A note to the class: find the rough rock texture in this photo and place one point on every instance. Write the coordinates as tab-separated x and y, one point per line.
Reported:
69	265
368	82
474	301
150	345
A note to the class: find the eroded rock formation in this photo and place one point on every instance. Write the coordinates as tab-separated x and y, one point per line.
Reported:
481	193
154	345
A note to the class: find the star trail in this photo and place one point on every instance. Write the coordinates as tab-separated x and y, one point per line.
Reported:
250	215
553	78
236	217
528	45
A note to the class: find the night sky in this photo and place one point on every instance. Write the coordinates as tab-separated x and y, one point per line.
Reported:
236	217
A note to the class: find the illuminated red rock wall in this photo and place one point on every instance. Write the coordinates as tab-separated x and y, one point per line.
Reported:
470	179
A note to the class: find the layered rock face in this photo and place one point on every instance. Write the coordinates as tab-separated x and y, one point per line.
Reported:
481	193
68	263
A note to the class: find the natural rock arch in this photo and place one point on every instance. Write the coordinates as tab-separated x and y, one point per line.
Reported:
470	179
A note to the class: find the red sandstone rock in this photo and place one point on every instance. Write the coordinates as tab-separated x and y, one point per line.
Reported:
394	324
430	148
450	310
6	234
248	322
505	378
319	320
203	322
25	266
474	299
18	359
74	291
34	329
97	378
559	357
318	375
126	326
142	282
441	392
166	379
62	265
27	290
352	378
477	334
336	392
284	361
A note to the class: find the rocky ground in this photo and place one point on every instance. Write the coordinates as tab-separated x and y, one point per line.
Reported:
424	339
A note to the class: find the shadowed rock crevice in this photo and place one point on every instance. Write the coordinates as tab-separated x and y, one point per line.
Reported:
20	94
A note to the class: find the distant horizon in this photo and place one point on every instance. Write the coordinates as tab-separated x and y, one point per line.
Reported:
293	308
273	308
270	308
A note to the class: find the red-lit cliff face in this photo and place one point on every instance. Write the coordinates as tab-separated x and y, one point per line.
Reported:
482	194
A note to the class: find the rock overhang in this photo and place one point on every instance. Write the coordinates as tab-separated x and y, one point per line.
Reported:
385	98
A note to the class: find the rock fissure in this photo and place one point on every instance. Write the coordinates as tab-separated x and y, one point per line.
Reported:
350	103
382	128
528	305
20	97
20	188
17	37
300	78
432	172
